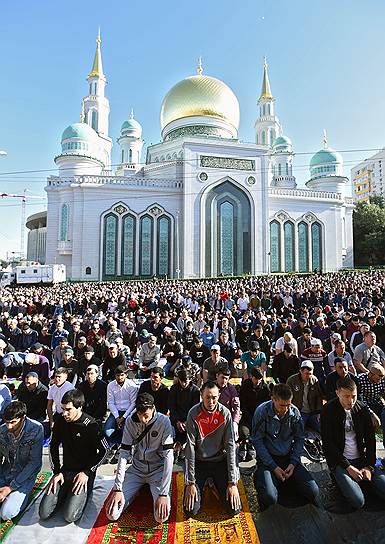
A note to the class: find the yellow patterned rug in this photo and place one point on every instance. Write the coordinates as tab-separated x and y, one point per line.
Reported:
211	526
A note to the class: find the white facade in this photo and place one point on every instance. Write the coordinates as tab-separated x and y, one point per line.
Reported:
203	204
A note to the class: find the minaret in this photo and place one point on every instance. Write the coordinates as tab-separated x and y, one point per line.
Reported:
267	126
131	144
95	106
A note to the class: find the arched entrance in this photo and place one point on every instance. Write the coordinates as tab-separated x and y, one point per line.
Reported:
228	240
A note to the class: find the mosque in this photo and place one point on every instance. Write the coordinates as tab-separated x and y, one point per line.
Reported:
201	203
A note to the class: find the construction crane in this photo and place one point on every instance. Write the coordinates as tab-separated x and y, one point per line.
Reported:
24	198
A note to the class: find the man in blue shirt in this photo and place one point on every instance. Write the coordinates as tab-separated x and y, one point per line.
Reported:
253	358
207	336
278	438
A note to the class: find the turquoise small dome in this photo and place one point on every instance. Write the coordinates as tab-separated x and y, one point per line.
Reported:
132	125
325	156
282	140
79	130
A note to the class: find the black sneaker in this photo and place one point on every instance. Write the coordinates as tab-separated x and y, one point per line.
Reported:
250	453
242	452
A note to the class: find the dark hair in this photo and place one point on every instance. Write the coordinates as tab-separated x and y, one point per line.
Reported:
15	409
256	373
339	360
2	370
208	385
282	391
346	383
223	370
75	396
120	369
183	375
288	348
254	346
157	370
61	370
143	402
306	330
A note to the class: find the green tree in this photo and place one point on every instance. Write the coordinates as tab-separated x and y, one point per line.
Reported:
369	233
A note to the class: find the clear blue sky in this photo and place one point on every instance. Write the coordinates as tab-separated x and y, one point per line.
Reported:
326	66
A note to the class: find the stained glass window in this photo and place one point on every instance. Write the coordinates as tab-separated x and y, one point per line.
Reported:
164	246
316	246
110	242
303	252
288	230
64	223
94	119
128	246
275	246
226	222
146	246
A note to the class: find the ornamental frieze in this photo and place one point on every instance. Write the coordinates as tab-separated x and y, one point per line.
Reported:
227	163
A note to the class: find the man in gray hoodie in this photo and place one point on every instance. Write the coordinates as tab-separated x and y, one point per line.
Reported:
147	447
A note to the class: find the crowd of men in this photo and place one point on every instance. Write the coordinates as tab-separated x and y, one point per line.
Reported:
208	373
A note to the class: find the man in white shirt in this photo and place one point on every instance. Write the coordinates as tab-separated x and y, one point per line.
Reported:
121	397
56	392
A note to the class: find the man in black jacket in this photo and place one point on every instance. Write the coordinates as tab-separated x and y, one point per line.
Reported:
83	451
34	395
254	391
156	389
349	445
95	394
183	395
285	364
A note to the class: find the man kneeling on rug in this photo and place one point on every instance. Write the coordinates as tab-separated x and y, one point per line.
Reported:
21	451
211	453
84	449
147	447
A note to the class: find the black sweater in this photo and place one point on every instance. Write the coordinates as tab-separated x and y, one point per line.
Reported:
160	396
36	401
180	401
84	448
333	433
95	398
251	397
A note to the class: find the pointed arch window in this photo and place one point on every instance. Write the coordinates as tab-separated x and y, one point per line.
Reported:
288	230
146	245
94	119
128	245
130	155
163	243
316	246
275	246
272	136
110	244
303	244
226	238
263	137
64	223
122	155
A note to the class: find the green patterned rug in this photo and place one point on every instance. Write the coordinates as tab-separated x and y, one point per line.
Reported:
41	481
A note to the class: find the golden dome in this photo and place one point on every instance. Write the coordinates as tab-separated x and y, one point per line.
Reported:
200	96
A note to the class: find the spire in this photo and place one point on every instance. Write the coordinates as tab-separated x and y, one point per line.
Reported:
132	113
325	139
200	69
97	67
266	91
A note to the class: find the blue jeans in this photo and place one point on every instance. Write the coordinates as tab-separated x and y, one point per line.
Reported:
114	435
267	485
312	421
16	501
354	491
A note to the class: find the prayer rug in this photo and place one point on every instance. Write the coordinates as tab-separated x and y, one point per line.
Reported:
41	481
137	525
210	526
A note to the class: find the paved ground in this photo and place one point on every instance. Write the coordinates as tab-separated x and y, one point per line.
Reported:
295	523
